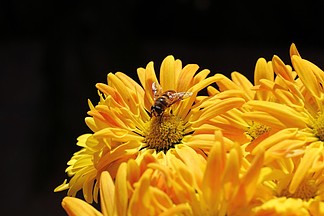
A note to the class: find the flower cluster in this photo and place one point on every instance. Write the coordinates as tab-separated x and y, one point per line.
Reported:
165	147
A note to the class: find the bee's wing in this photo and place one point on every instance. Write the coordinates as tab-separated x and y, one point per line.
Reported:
177	96
156	89
183	95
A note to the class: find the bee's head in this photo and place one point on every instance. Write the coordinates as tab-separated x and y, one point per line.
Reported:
156	110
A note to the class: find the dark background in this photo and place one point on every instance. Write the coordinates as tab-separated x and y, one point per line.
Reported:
52	53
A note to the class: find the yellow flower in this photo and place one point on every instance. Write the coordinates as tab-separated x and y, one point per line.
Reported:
245	149
295	150
123	128
226	186
232	123
295	185
140	188
297	102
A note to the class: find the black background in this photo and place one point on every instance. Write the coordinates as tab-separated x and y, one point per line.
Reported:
52	53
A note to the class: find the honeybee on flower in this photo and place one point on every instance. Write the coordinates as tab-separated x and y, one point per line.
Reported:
163	100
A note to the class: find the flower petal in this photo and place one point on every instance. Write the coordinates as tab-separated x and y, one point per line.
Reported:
293	50
186	77
306	75
291	117
121	190
244	83
212	181
107	194
282	135
281	69
263	70
167	73
76	207
304	167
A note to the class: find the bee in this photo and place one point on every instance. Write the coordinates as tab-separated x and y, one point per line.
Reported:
163	100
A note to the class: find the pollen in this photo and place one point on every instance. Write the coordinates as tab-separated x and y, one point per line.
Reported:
164	132
306	190
257	129
318	127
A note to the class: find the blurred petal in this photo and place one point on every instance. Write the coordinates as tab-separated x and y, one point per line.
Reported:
77	207
107	194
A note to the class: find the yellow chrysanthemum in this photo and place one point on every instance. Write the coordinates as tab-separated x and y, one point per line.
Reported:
295	151
297	98
234	123
283	117
245	149
141	187
226	184
295	185
123	128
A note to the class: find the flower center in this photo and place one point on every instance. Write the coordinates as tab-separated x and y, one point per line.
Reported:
164	132
257	129
318	127
306	190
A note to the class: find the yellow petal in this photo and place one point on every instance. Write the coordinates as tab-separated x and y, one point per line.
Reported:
186	77
133	170
263	70
316	207
192	160
141	199
231	173
306	75
167	73
77	207
244	83
282	135
286	148
201	76
130	83
217	109
91	123
121	190
147	76
290	99
83	139
264	118
110	91
181	209
317	71
119	86
304	167
107	194
185	105
160	199
117	134
212	91
62	187
249	181
293	50
224	83
122	153
282	112
87	187
280	68
212	181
